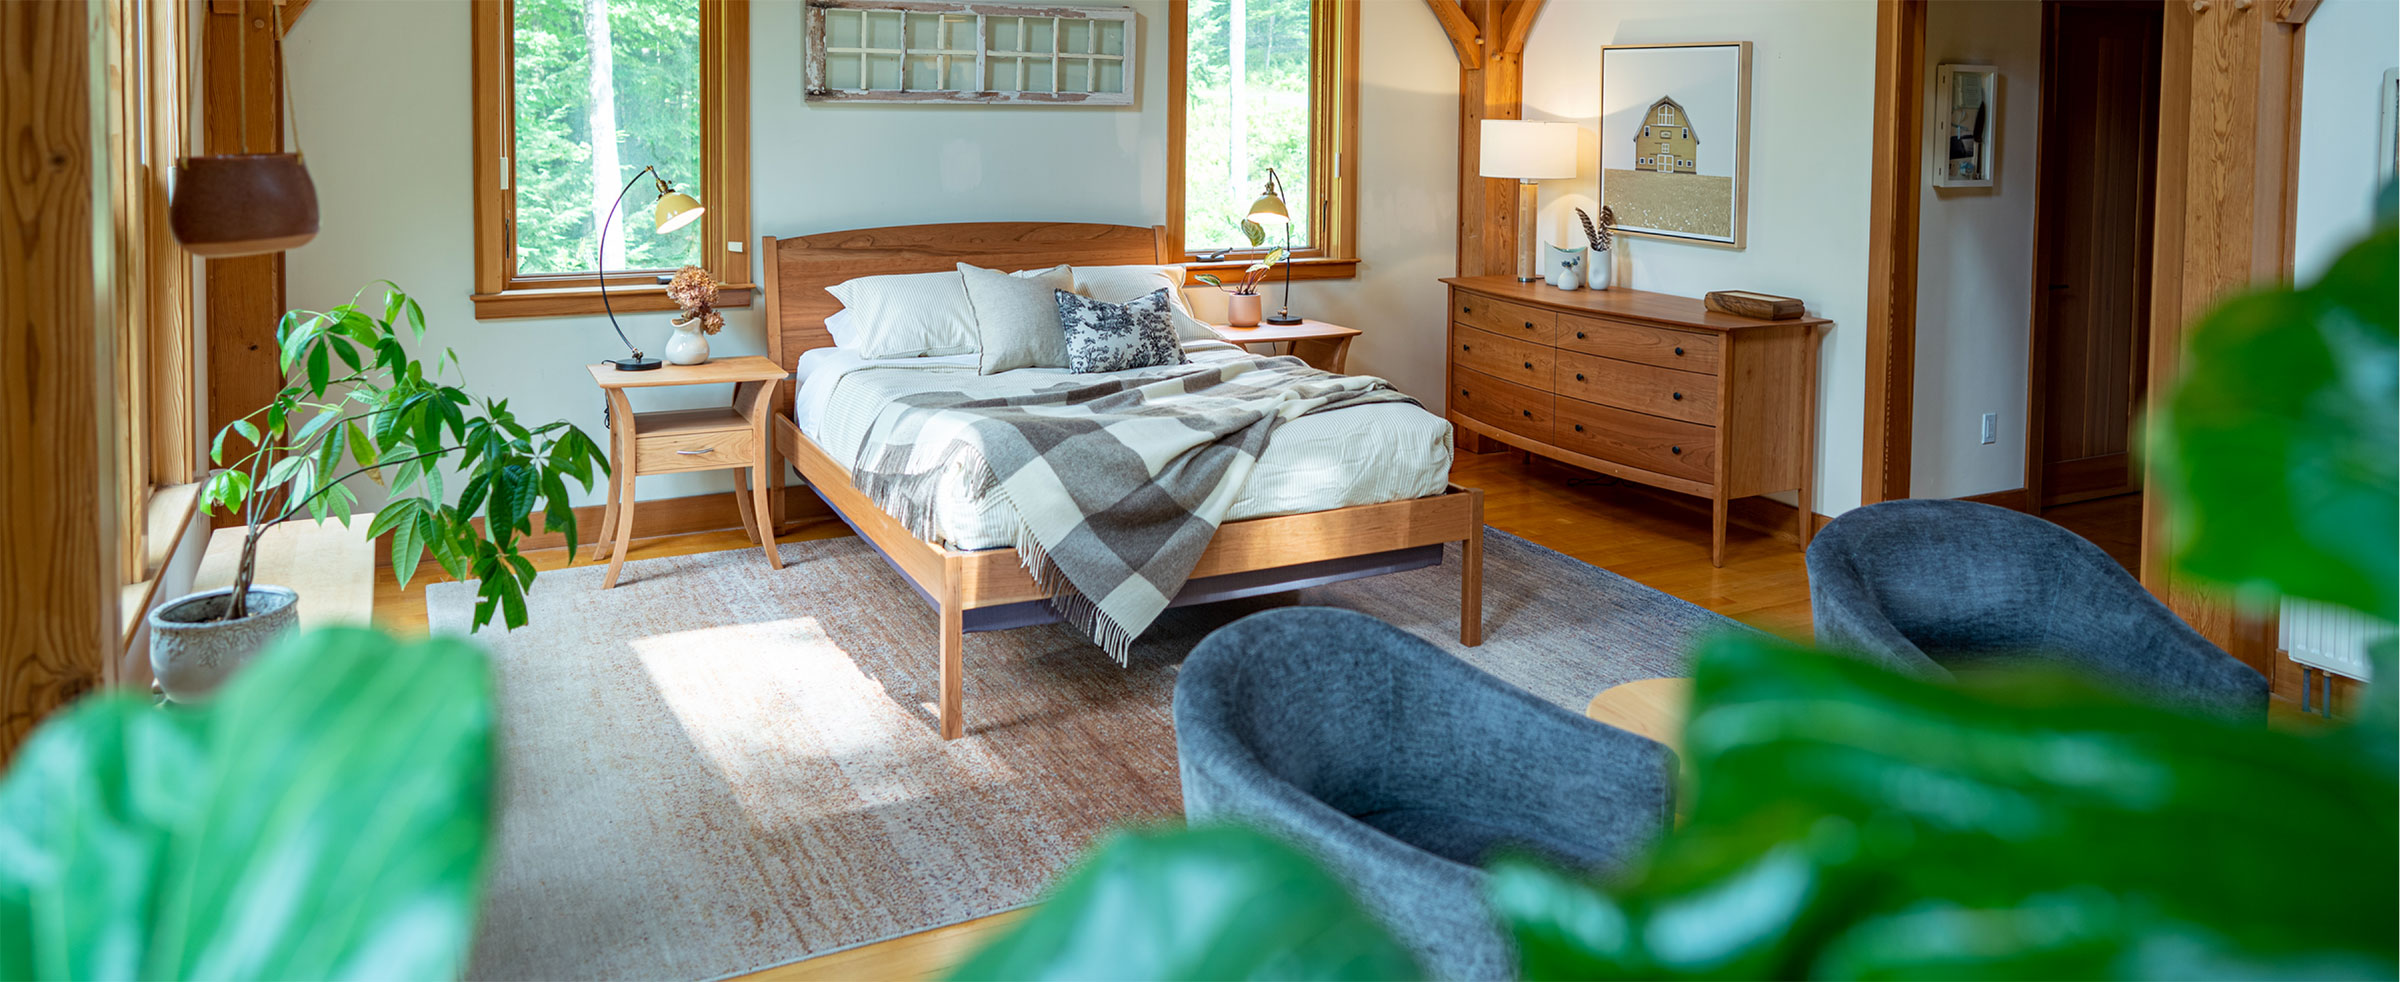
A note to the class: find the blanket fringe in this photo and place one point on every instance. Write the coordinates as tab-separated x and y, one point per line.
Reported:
908	496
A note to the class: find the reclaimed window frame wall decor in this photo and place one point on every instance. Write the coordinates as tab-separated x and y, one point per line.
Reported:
948	52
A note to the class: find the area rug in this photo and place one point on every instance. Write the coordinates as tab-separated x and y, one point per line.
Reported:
717	767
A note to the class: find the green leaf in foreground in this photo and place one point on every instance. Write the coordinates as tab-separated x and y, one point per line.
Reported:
1853	823
325	817
1215	902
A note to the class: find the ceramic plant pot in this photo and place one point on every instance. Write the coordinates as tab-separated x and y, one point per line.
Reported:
192	651
243	204
687	346
1244	309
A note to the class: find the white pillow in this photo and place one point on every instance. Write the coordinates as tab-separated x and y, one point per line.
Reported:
843	325
1124	284
905	315
1016	317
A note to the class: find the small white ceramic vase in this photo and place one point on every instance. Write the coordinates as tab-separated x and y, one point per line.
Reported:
1565	272
1244	309
687	346
1601	267
192	651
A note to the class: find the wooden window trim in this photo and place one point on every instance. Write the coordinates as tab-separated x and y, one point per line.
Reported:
1333	177
725	178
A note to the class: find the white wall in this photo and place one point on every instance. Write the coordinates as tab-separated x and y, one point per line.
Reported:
2348	46
1975	265
1812	73
382	94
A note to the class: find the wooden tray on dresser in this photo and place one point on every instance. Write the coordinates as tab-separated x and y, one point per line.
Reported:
1647	387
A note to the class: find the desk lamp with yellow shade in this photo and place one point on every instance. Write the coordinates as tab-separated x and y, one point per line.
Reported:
675	210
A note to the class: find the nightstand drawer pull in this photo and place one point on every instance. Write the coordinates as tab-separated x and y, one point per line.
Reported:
695	453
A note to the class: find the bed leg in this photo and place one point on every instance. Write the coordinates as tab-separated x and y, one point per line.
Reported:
954	662
1470	575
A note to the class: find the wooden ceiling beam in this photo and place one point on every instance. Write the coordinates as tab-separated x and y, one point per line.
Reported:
1465	38
1516	22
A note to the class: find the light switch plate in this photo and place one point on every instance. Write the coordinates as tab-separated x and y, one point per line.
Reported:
1991	427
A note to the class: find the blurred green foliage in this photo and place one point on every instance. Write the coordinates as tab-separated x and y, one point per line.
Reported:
1846	822
654	50
1232	134
325	816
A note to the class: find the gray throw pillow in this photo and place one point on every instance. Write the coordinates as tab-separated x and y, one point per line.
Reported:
1016	321
1112	337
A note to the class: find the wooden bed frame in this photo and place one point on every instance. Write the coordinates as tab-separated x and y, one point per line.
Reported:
988	589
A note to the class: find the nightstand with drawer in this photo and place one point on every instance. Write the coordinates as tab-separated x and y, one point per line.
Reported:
1646	387
677	440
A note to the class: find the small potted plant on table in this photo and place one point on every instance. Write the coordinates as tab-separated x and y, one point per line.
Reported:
1243	306
360	404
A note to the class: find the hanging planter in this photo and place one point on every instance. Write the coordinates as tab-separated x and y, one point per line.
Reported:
245	204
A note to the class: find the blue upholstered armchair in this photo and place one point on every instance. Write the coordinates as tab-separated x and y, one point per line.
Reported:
1929	587
1404	769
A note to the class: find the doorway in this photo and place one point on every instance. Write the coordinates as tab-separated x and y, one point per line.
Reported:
2088	365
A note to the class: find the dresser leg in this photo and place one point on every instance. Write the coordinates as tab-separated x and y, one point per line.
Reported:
1716	532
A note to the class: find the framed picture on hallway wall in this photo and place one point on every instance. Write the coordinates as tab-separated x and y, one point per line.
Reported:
1959	132
1675	139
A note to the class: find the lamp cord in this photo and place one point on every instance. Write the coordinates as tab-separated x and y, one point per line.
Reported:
283	76
603	260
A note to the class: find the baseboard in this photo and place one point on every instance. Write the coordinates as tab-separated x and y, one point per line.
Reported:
2013	499
656	517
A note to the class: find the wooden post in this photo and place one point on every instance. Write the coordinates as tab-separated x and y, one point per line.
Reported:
58	564
1892	249
1489	38
240	84
2228	85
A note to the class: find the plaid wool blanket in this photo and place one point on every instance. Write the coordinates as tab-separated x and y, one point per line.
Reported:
1119	481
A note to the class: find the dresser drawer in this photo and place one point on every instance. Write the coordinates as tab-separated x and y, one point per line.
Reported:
1667	446
1507	405
1508	359
1500	317
1688	396
1688	351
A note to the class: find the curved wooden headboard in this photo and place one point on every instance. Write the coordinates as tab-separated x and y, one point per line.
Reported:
800	269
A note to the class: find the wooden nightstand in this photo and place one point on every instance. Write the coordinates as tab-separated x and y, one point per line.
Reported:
689	440
1323	346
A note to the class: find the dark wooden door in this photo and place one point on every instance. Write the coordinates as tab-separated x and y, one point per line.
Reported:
2093	231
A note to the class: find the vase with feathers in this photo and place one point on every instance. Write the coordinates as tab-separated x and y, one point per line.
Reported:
1601	235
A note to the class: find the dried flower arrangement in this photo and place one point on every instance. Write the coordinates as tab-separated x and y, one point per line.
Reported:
696	292
1599	234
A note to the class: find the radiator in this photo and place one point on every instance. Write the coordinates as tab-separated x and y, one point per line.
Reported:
2329	638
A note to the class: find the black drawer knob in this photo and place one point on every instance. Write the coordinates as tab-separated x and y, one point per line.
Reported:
1527	412
1678	396
1529	364
1579	335
1679	350
1579	376
1462	392
1466	309
1529	325
1675	450
1579	427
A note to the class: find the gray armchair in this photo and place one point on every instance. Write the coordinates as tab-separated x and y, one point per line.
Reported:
1404	769
1930	586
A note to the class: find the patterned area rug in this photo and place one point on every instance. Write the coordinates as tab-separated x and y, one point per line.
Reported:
716	767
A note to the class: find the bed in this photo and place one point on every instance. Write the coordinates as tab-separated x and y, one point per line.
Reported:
971	583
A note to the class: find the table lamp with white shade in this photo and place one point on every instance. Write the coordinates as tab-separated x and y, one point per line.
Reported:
1527	151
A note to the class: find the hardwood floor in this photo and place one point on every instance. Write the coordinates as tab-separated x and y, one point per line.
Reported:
2114	524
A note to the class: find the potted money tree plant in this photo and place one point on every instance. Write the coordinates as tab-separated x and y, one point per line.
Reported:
1243	306
357	402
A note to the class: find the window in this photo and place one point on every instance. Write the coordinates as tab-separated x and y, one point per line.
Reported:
143	53
1255	84
666	82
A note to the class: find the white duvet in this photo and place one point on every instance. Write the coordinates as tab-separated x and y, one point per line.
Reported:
1362	455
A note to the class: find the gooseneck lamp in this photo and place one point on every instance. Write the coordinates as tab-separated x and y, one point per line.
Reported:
675	210
1269	209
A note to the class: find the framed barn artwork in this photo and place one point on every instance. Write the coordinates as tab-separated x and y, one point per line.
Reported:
1675	139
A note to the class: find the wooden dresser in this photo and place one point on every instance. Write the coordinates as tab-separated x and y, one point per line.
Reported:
1646	387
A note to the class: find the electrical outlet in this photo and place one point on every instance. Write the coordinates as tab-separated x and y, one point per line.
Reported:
1991	427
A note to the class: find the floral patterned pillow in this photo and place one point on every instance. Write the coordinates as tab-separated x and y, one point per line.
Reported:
1112	337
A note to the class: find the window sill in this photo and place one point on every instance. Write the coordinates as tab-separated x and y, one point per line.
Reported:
164	520
1312	268
571	301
